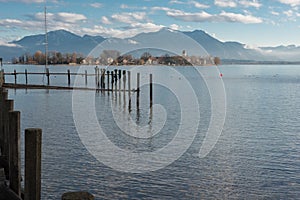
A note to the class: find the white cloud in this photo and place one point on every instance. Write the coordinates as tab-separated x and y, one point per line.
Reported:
15	23
290	2
130	31
288	13
206	17
129	17
174	26
96	5
190	17
105	20
198	5
132	42
253	3
225	3
66	21
194	3
124	6
246	19
27	1
176	2
69	17
274	13
2	43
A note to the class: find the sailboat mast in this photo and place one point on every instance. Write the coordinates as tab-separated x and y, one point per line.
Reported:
46	38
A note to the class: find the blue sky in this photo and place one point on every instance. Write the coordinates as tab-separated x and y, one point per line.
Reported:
252	22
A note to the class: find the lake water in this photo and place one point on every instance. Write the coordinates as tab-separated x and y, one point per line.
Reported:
256	157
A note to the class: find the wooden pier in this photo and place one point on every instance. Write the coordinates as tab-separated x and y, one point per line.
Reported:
105	81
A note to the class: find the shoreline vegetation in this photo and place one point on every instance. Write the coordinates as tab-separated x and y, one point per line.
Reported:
113	57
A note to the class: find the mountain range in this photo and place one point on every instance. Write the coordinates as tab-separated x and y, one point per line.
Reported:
67	42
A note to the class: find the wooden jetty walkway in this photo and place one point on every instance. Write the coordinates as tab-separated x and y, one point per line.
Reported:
114	80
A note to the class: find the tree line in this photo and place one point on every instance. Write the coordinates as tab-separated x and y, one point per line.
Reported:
113	57
54	58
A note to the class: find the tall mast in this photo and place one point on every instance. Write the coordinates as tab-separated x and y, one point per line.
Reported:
46	38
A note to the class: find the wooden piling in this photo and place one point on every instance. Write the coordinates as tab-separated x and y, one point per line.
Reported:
48	76
69	78
8	106
2	78
86	79
116	76
112	80
151	91
2	104
96	81
98	77
26	77
124	81
108	73
15	74
129	91
120	75
33	144
14	152
138	90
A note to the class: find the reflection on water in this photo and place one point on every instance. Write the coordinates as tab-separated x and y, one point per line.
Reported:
256	157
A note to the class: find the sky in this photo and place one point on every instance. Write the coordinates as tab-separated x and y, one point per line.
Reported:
252	22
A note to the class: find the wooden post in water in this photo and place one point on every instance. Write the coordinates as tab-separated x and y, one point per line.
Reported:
98	77
33	151
124	81
86	79
69	78
124	88
108	74
96	81
48	76
14	152
138	90
129	91
15	74
112	80
120	75
101	81
26	78
151	92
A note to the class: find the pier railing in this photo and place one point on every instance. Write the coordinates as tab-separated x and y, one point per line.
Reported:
105	80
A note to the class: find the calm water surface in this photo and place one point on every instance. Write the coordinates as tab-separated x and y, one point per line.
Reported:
256	157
